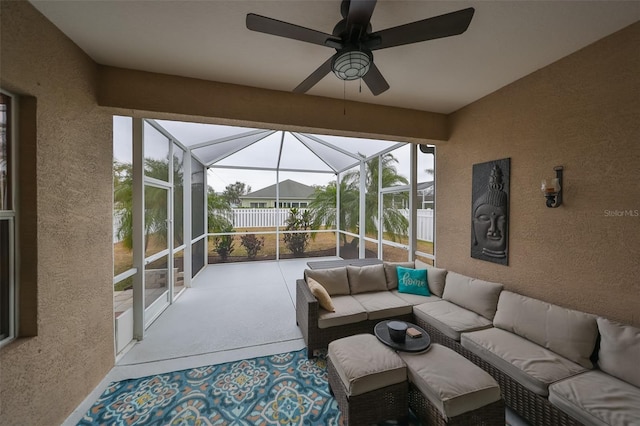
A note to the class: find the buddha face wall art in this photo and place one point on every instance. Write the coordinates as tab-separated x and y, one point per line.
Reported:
490	211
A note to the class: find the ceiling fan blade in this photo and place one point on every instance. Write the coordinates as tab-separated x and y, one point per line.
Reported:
446	25
360	12
272	26
315	77
375	81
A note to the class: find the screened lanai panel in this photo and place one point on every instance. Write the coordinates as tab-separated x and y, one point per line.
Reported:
219	150
336	159
367	147
297	156
261	154
156	154
194	133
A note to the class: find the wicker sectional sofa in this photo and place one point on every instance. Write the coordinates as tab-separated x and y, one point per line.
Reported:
554	365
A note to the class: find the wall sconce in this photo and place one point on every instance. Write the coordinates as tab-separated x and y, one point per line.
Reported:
553	191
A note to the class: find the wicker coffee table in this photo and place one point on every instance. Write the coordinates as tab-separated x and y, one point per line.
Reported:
410	344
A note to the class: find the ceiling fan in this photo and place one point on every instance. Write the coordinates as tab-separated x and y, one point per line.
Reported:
354	40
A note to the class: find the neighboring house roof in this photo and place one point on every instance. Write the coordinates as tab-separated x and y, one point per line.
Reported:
424	185
289	189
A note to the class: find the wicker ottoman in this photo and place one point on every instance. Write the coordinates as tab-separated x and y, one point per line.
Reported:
447	389
368	380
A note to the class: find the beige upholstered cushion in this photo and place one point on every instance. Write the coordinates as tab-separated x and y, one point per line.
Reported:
334	280
449	318
620	351
531	365
477	295
321	294
595	398
348	311
436	277
366	278
415	299
364	364
382	304
391	273
569	333
449	381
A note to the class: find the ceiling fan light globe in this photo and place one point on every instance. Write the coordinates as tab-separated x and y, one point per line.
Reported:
351	65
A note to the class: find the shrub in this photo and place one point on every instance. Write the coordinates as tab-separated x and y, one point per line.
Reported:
252	243
297	242
224	243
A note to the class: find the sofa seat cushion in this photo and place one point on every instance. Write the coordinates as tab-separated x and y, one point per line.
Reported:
382	304
531	365
595	398
449	318
449	381
415	299
348	311
364	364
569	333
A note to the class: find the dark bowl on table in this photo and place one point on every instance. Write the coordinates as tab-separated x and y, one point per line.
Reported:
397	331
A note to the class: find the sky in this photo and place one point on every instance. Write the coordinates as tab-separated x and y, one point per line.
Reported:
260	154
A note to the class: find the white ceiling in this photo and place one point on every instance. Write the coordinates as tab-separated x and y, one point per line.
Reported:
209	40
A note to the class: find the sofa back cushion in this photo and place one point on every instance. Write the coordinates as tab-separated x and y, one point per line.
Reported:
391	275
363	279
619	350
475	295
566	332
435	276
334	280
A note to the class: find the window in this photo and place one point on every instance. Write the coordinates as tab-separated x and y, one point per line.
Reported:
258	205
7	220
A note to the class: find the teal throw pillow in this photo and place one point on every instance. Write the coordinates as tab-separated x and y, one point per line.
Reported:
413	281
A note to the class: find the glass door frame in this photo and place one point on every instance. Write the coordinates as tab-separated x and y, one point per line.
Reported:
158	306
143	317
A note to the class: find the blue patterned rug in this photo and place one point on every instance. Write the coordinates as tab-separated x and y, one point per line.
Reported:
284	389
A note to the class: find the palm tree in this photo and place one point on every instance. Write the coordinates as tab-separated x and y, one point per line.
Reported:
394	223
155	202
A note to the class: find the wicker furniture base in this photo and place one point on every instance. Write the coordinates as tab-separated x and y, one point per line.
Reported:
534	408
489	415
388	403
307	311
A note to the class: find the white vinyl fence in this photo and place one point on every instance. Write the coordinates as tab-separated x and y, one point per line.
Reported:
268	218
424	223
260	218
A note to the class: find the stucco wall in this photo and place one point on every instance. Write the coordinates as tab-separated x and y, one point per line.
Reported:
582	112
44	378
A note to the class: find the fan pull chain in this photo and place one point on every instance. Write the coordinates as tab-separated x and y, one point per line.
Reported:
360	85
344	97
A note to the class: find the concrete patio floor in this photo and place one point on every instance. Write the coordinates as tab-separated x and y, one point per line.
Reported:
232	311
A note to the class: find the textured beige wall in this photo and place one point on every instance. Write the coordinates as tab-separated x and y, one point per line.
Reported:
582	112
44	378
